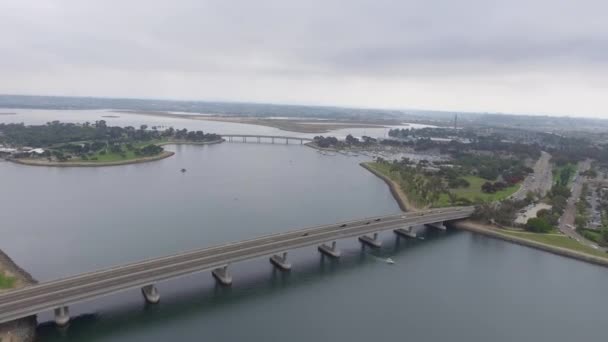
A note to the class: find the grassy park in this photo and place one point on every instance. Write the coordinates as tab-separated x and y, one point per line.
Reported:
474	193
557	240
437	191
6	282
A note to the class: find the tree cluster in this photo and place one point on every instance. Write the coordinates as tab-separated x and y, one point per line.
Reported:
490	188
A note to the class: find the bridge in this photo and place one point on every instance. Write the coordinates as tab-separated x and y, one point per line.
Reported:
57	295
262	138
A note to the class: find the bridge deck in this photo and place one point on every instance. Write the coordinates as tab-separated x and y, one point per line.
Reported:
49	295
264	136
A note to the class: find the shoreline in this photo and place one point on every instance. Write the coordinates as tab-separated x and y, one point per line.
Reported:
477	228
398	194
34	162
21	330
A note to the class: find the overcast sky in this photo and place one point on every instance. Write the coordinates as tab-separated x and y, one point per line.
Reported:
521	56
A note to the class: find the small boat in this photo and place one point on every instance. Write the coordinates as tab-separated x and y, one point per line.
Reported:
389	261
183	170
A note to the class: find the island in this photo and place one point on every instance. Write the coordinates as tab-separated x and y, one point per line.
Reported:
92	144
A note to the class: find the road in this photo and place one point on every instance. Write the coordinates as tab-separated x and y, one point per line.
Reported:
539	181
49	295
569	214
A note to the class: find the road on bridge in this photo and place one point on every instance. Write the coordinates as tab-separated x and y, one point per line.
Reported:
49	295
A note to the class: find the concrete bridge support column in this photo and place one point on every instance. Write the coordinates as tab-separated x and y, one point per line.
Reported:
437	225
286	141
62	316
301	141
221	275
371	241
280	262
332	251
229	139
408	233
258	140
272	140
151	294
244	139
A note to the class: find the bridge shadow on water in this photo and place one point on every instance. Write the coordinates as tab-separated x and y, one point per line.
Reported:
205	299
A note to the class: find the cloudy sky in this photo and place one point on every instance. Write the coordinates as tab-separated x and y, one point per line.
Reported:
521	56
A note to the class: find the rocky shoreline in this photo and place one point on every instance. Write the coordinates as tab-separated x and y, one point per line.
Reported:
22	330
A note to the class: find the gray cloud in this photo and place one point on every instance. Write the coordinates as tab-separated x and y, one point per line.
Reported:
526	56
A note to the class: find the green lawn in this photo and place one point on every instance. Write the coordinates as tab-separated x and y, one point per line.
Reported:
129	155
557	240
6	282
110	157
474	193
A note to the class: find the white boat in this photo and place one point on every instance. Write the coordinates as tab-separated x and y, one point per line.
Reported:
389	261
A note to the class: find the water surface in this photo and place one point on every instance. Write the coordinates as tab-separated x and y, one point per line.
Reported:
449	287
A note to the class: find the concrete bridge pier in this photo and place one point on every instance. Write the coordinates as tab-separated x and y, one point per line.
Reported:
244	139
437	225
332	251
62	316
286	141
372	242
151	294
272	139
408	233
280	262
221	275
258	140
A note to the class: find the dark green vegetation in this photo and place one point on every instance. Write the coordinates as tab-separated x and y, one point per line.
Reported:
582	208
6	282
461	181
548	218
350	141
95	142
538	225
563	174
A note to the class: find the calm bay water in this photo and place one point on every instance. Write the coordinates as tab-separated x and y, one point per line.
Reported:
452	286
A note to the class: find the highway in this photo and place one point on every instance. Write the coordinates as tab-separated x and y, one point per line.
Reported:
62	292
539	181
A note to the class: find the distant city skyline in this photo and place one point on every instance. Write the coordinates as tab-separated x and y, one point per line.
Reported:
536	57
